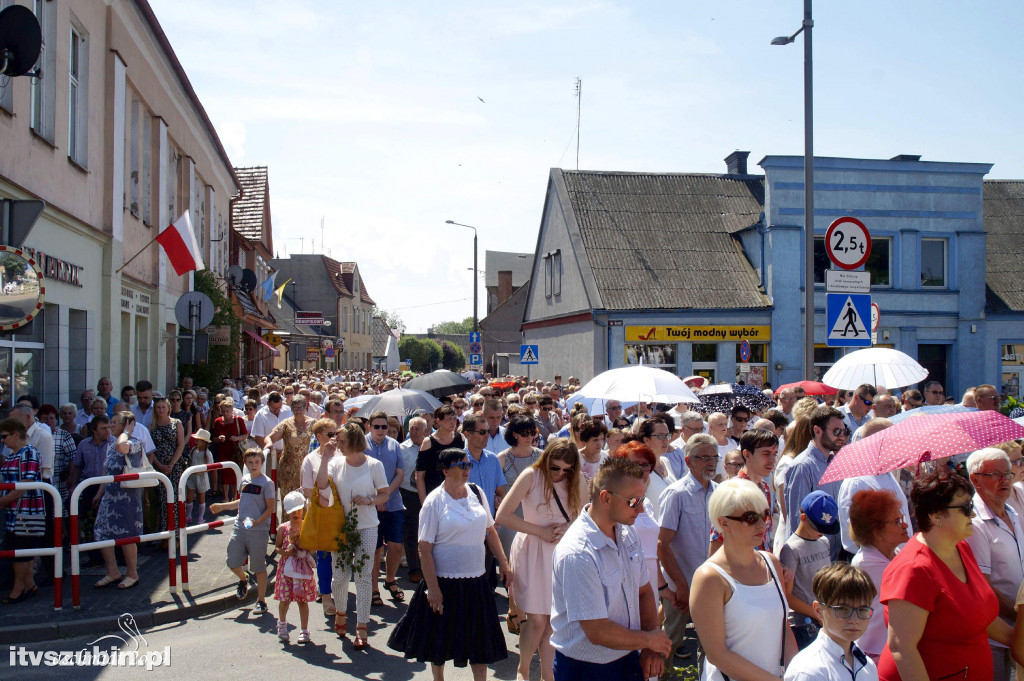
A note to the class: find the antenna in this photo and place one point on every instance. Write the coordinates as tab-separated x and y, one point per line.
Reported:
579	105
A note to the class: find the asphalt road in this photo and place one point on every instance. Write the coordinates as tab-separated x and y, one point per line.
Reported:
240	645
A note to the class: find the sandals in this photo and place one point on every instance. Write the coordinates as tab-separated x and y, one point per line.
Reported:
512	622
107	581
341	625
128	583
376	600
361	642
329	608
397	594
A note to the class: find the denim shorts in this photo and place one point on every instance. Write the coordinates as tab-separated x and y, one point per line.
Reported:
391	528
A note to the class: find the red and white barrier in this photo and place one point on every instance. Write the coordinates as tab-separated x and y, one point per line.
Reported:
58	531
167	534
183	528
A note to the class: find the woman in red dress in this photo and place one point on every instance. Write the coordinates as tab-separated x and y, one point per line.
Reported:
939	607
227	432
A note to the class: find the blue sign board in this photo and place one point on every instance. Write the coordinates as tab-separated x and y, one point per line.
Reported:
476	359
745	350
474	336
848	320
529	354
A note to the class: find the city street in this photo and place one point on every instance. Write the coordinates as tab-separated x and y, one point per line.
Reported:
237	645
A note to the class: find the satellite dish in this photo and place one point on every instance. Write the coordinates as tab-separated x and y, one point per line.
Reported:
194	305
249	281
20	40
235	274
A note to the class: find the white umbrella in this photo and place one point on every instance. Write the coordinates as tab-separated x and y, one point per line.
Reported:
358	401
594	405
874	366
638	384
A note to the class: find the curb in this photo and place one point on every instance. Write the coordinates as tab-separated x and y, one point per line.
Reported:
48	631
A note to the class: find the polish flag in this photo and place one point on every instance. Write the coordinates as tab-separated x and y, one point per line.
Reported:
179	242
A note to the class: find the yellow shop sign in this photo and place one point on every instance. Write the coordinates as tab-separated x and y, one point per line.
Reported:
697	333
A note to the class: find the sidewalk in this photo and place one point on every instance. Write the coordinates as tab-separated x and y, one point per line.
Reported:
211	584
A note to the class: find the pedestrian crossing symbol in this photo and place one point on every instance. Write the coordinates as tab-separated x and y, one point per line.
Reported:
529	354
847	319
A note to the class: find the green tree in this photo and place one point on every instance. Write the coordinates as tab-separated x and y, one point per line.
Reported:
425	353
392	319
465	326
223	358
452	358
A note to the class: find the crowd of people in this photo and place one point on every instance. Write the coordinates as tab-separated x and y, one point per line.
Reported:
625	537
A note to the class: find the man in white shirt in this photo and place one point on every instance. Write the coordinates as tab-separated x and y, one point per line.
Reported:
84	414
38	436
267	419
144	409
857	411
493	413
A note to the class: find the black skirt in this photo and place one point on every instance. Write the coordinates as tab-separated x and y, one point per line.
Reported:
468	631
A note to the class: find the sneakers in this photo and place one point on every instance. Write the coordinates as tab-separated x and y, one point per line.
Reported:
243	589
282	631
260	608
304	636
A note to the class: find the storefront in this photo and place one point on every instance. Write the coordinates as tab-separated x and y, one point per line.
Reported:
712	351
1012	371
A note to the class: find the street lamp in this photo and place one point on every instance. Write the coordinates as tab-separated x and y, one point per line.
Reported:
805	28
475	278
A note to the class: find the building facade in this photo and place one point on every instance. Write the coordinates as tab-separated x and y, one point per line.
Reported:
114	140
677	270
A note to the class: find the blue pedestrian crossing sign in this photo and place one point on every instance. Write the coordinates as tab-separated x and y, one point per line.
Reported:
529	354
848	320
476	359
474	336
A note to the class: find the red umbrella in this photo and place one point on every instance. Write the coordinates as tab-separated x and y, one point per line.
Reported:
920	439
503	385
810	388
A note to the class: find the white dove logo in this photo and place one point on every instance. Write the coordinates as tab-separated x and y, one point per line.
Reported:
127	624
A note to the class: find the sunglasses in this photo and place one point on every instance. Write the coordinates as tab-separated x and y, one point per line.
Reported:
379	427
967	508
560	469
632	502
751	517
464	465
331	433
867	403
845	612
741	419
478	432
836	432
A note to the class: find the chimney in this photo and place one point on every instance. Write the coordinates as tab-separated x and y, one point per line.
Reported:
736	163
504	286
906	157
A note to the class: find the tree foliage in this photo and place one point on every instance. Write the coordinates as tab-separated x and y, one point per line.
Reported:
223	358
453	327
425	353
392	319
452	356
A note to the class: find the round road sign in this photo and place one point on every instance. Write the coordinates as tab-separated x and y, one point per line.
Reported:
745	350
329	352
876	316
848	243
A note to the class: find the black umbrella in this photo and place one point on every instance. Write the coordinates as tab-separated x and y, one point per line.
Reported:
725	396
472	375
399	402
440	383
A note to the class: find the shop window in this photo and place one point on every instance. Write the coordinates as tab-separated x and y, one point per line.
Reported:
824	358
705	352
652	354
933	263
1012	370
879	263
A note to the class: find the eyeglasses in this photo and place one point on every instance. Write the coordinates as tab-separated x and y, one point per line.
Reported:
845	612
560	469
531	404
938	392
378	426
896	522
660	436
751	517
632	502
478	432
845	432
967	508
331	433
998	476
741	419
175	399
867	403
728	465
689	427
708	459
1017	462
464	465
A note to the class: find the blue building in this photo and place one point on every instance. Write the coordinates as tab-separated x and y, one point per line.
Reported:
676	270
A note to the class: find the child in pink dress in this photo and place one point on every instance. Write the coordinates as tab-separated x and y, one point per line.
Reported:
294	582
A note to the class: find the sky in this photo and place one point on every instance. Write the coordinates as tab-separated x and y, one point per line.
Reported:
383	120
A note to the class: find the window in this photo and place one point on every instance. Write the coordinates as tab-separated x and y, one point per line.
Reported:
133	157
553	274
933	263
824	358
755	370
173	166
547	276
78	94
43	89
146	182
880	262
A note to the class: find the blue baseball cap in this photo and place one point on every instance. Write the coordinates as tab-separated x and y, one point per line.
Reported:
822	511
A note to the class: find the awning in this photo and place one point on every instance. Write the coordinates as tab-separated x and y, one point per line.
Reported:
273	350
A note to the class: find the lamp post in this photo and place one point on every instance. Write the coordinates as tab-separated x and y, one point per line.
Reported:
476	283
805	28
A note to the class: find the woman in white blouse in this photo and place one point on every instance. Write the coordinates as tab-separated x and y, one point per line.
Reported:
452	615
361	484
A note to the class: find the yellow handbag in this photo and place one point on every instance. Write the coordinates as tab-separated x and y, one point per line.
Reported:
321	527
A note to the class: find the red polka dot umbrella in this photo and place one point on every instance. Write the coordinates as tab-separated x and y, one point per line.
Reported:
920	439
